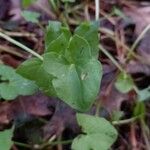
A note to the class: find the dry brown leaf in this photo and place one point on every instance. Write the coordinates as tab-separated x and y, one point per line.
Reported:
140	15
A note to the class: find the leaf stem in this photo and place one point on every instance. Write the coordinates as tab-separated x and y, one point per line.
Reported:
112	59
49	143
138	40
54	5
6	37
146	134
97	10
126	121
62	142
22	144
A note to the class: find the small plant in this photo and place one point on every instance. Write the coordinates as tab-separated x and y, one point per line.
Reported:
98	133
69	69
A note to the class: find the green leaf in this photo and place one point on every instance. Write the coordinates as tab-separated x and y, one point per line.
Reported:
78	49
144	95
59	45
56	37
76	84
99	134
78	75
89	31
139	109
30	16
27	3
124	83
12	84
32	69
53	31
5	139
68	67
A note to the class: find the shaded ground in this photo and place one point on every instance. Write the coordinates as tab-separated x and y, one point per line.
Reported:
122	22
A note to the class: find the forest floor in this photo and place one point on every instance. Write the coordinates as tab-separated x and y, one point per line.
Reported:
124	34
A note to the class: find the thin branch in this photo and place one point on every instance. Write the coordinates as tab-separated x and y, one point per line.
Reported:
97	9
6	37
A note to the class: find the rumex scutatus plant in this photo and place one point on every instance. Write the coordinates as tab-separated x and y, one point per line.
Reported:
70	70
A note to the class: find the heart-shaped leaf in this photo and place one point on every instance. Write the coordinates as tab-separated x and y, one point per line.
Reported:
78	49
12	84
53	31
32	69
89	31
78	76
5	139
99	134
57	37
124	83
59	45
69	67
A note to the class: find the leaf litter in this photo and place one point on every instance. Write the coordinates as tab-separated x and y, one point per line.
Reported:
59	118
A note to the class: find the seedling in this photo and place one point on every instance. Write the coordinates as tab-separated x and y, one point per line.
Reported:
69	69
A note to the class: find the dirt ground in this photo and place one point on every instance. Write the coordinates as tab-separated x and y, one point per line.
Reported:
124	33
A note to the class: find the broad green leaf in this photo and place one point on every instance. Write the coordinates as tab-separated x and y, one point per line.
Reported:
93	125
56	35
144	95
78	49
99	134
66	32
89	31
53	31
5	139
76	84
74	74
32	69
27	3
92	142
78	75
59	45
124	83
13	85
29	68
30	16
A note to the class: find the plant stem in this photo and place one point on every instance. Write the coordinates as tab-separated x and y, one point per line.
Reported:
54	5
62	142
145	134
22	144
49	143
112	59
138	39
97	10
126	121
6	37
98	106
41	26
